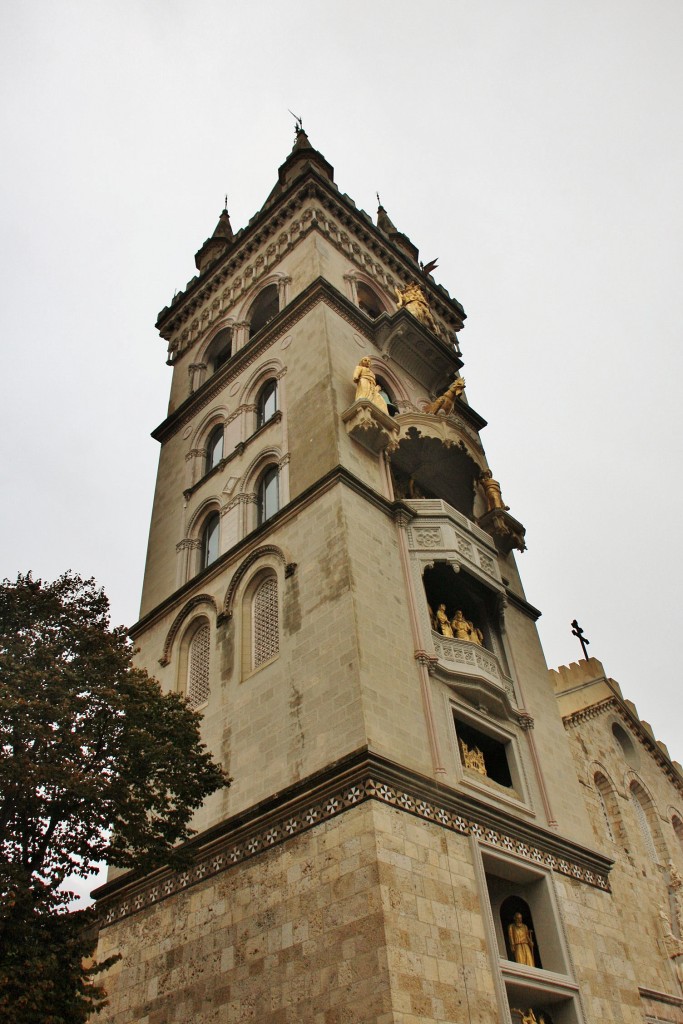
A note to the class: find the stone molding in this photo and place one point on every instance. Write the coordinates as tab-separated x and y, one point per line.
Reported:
346	785
615	704
199	299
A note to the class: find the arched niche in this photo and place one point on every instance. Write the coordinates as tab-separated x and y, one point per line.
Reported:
458	591
430	467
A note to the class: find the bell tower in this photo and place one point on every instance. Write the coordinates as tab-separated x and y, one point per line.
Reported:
331	580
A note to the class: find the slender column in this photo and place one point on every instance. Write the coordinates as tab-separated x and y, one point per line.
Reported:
527	723
402	518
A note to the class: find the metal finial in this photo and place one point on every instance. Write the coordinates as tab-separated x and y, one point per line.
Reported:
584	641
226	203
299	127
379	201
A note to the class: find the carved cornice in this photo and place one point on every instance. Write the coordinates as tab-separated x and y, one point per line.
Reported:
337	790
337	475
271	219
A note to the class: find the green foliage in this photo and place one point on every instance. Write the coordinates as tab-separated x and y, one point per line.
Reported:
96	763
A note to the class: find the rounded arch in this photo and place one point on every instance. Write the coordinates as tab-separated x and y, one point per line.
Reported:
255	381
257	465
265	554
193	678
185	612
276	278
676	818
363	281
218	345
626	743
606	791
194	526
218	414
384	375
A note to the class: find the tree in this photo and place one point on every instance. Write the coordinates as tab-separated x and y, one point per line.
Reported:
96	763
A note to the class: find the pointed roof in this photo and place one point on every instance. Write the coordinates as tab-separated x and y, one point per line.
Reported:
384	222
303	157
214	247
386	226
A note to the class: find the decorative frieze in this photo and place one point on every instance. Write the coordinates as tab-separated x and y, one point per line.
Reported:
369	780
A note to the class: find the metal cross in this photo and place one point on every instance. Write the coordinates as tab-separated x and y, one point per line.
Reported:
584	641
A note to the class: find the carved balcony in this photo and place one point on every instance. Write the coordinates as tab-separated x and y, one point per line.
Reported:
477	663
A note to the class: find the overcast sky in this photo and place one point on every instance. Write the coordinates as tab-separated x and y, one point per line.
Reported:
535	147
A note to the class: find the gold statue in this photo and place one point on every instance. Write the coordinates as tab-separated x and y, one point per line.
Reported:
433	620
367	386
476	635
521	941
461	627
473	757
445	402
412	298
494	499
443	621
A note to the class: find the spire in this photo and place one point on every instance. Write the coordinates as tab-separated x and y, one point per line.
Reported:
301	140
303	157
384	222
224	227
219	243
386	226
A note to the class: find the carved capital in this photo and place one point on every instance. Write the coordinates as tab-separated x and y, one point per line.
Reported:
290	569
428	660
525	720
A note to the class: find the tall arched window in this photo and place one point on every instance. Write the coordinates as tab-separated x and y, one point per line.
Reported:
678	829
605	799
265	622
265	307
644	814
368	300
198	666
220	350
210	539
268	494
214	448
266	404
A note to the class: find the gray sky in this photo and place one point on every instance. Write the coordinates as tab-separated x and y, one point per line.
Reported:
535	147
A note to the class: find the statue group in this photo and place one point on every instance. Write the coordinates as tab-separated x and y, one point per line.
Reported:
458	627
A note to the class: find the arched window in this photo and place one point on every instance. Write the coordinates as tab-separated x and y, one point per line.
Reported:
210	539
198	665
387	396
214	448
266	404
368	300
264	308
265	627
605	799
644	814
268	494
678	829
220	349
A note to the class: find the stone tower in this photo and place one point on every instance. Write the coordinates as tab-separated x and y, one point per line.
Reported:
331	580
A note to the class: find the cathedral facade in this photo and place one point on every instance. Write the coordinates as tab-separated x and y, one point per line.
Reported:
424	824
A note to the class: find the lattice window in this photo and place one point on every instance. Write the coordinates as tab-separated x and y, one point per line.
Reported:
198	667
644	824
265	625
